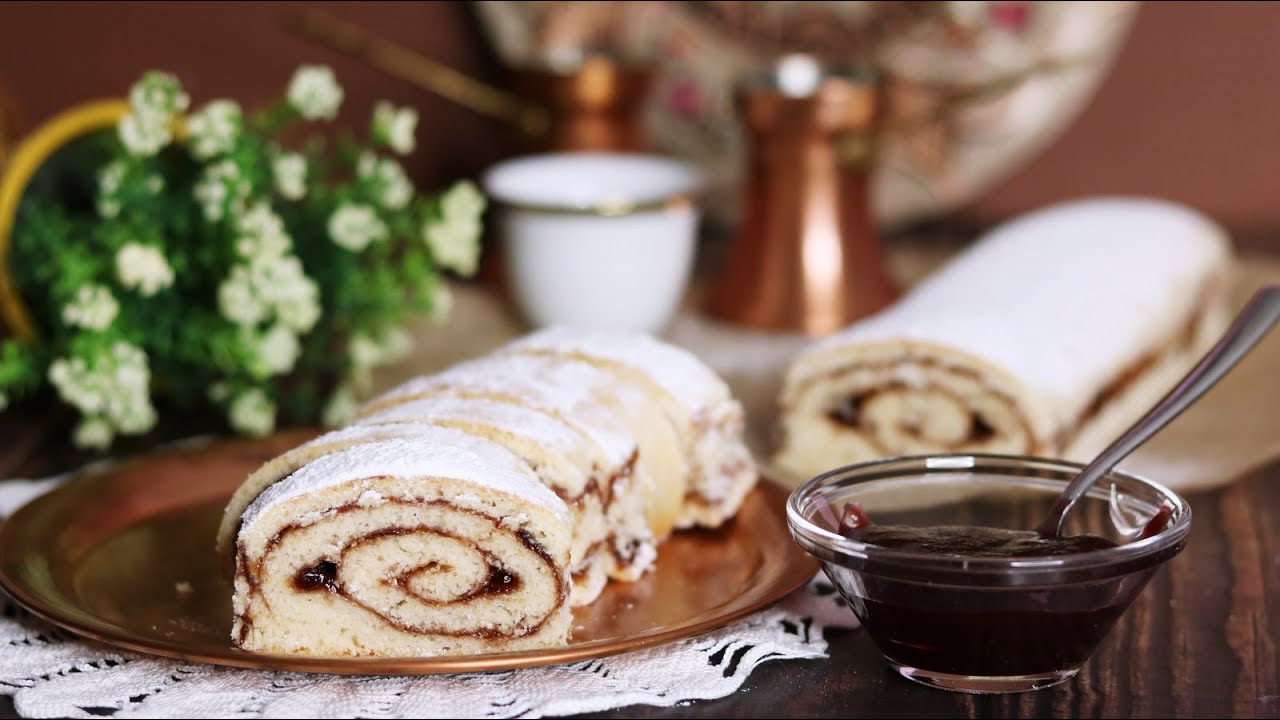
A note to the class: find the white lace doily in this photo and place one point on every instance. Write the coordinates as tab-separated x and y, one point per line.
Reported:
52	673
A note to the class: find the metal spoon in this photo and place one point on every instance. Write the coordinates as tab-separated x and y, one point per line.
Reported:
1250	325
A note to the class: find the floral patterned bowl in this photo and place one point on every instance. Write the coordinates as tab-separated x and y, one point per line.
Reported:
973	89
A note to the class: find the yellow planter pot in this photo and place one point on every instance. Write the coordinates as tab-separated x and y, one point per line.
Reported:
27	158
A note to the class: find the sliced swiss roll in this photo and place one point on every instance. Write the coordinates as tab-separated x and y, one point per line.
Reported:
596	489
695	400
1047	337
439	542
621	418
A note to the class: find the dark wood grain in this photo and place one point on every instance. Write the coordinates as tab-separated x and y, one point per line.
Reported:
1201	641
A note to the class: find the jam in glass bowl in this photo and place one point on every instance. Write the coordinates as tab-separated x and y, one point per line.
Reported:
949	609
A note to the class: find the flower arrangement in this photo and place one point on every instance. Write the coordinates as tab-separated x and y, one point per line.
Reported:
217	257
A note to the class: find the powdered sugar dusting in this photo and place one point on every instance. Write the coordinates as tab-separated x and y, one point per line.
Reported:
676	370
357	433
1063	299
546	430
430	452
568	389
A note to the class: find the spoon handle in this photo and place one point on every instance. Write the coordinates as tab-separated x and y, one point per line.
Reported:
1250	325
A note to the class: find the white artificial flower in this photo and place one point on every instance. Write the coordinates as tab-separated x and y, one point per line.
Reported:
366	164
354	226
441	303
125	352
114	391
390	183
63	373
341	407
135	417
128	405
294	296
128	379
252	413
108	208
394	189
270	283
396	345
111	176
290	171
277	277
155	184
158	96
213	130
76	385
455	246
275	352
454	237
395	127
143	268
262	233
219	392
365	352
93	433
300	310
92	308
238	299
314	92
144	136
463	202
221	186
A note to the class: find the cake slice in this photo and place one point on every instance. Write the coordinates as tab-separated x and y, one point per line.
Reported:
694	398
433	543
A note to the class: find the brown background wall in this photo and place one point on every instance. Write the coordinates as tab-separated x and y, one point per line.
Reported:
1191	110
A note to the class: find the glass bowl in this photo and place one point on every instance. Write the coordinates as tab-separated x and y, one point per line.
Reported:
982	624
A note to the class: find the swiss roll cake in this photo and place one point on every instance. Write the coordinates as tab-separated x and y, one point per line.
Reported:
469	510
1047	337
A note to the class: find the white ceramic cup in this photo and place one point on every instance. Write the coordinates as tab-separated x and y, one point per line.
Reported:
597	240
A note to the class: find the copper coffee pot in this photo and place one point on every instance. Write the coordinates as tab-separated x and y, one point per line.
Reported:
596	105
807	256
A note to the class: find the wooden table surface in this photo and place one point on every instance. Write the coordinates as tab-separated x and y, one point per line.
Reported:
1203	639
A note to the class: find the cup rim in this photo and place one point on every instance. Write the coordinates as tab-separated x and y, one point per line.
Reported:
810	535
683	193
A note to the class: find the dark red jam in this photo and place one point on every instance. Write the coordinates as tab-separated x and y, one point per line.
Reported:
983	631
323	574
500	582
975	541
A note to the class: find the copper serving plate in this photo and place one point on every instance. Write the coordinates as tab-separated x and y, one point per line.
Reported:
125	556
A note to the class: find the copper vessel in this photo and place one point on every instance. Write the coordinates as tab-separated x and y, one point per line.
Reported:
807	257
597	106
